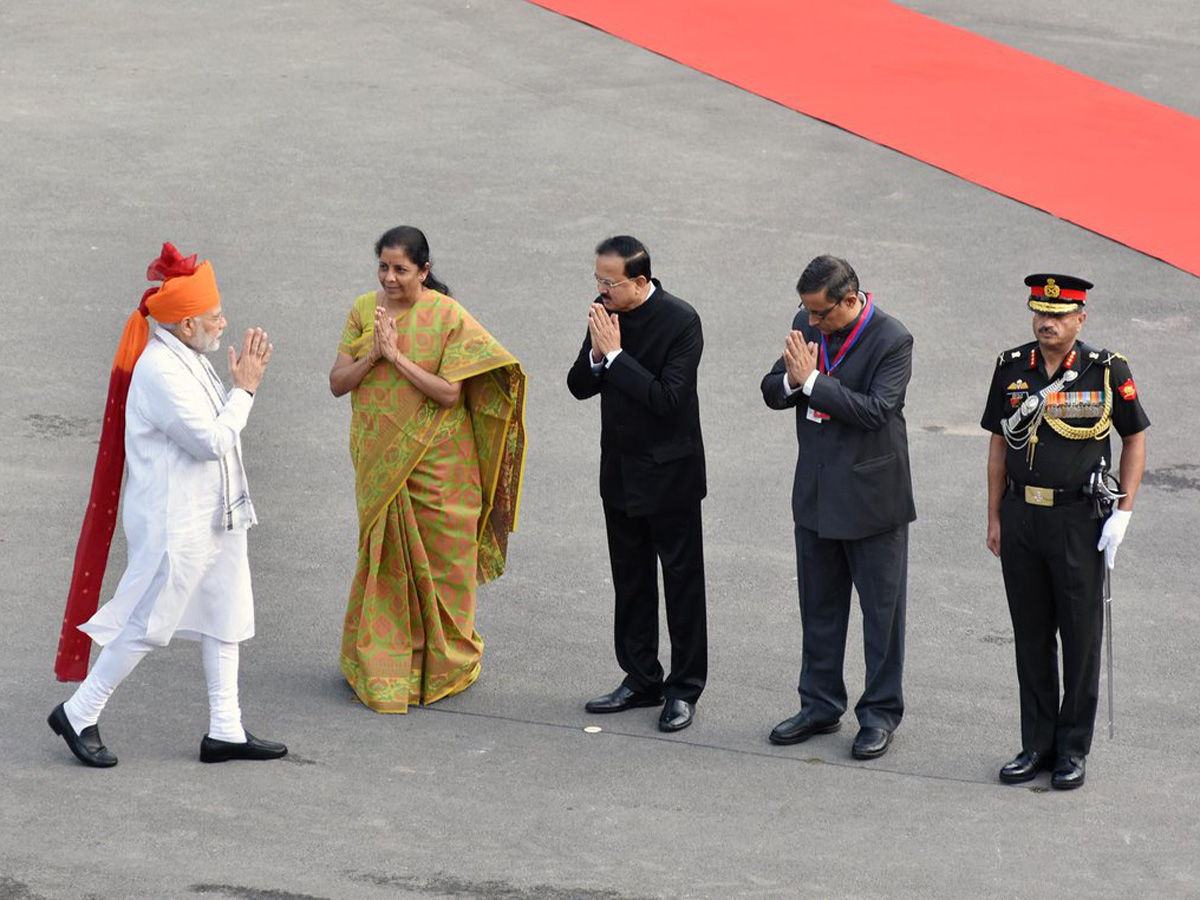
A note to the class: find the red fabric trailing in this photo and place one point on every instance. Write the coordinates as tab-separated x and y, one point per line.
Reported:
95	538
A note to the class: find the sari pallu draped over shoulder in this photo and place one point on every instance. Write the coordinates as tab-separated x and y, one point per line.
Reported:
438	492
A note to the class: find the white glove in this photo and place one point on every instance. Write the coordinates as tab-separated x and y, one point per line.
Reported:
1113	534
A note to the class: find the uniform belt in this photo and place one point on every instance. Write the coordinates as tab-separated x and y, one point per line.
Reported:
1045	496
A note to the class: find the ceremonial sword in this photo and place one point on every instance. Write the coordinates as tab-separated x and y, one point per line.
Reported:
1105	498
1108	641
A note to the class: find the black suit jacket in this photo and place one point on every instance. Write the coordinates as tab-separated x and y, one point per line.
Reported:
651	452
852	473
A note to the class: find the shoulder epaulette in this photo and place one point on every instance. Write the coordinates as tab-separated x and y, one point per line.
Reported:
1009	355
1105	357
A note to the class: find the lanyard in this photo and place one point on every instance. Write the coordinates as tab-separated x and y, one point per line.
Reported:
825	366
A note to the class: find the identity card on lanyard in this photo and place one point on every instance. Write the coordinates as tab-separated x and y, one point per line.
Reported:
825	367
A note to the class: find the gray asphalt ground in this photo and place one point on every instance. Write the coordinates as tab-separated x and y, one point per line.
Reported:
279	139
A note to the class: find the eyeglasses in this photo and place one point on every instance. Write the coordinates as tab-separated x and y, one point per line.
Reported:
819	316
214	317
605	283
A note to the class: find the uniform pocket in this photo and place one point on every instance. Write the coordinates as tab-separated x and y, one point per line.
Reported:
870	465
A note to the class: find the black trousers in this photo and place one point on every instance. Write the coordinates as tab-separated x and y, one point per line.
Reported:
636	544
877	566
1053	577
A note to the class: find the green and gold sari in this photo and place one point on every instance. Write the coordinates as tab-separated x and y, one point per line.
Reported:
438	492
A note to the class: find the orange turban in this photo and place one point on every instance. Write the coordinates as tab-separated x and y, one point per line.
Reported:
187	290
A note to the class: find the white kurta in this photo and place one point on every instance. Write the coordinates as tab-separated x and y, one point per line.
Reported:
188	574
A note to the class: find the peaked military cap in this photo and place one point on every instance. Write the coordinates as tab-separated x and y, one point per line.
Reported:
1057	294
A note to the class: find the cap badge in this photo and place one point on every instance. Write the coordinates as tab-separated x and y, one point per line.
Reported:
1052	290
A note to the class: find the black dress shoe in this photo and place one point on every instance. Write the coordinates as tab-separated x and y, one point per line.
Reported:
1068	773
86	745
1025	766
621	699
676	715
800	728
870	742
214	751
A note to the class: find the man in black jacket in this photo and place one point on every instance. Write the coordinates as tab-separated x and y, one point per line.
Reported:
845	368
640	355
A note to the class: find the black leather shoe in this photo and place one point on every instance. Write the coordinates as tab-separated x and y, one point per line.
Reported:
214	751
621	699
86	745
800	728
870	742
1025	766
676	715
1068	773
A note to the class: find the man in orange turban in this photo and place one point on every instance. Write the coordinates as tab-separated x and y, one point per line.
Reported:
172	425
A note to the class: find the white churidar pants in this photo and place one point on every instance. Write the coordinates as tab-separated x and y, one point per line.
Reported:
122	654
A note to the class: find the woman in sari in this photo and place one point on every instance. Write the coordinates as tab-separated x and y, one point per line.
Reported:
437	439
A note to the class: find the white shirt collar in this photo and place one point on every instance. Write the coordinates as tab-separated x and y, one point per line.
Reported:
172	341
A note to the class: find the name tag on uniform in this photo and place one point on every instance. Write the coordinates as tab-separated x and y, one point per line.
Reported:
818	417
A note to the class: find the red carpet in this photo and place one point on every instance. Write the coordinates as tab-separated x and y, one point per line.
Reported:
1100	157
